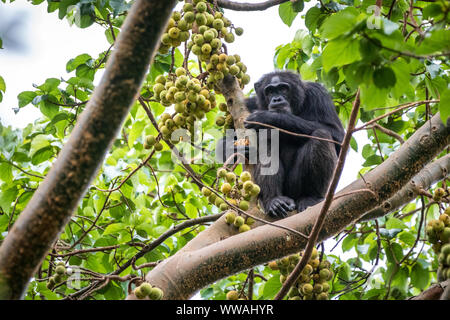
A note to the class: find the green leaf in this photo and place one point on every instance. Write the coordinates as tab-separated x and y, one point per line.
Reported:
84	71
48	109
271	287
394	250
438	41
339	23
312	18
420	276
400	281
7	196
390	234
403	80
72	64
114	228
6	172
354	144
374	294
2	84
407	237
394	223
307	72
40	141
108	34
136	131
384	77
373	97
64	4
340	52
25	98
118	6
42	155
444	105
373	160
287	13
432	10
85	15
345	271
49	85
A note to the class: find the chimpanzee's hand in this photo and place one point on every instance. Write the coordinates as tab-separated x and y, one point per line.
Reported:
280	206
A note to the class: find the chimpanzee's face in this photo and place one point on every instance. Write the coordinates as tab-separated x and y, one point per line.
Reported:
277	95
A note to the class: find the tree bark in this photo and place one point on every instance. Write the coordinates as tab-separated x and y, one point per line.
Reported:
435	292
432	173
52	205
186	272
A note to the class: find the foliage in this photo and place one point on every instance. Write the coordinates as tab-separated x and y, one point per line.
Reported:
394	59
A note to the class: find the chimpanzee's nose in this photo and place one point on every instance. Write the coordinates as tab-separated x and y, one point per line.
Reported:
277	99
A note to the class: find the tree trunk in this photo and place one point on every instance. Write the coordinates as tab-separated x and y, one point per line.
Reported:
52	205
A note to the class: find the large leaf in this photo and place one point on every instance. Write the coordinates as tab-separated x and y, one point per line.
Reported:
2	84
287	13
271	287
420	276
75	62
384	77
340	52
444	105
437	41
312	18
339	23
25	98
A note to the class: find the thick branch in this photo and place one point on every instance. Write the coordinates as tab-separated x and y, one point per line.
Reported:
226	4
434	292
52	205
183	274
432	173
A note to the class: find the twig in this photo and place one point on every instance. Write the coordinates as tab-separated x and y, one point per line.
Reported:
293	133
400	107
20	169
328	200
422	216
404	53
95	221
389	132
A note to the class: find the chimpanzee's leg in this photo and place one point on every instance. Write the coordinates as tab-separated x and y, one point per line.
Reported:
311	172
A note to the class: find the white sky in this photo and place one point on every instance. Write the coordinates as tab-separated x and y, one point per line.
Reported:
51	42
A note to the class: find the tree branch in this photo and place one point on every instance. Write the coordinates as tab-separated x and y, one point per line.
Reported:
226	4
434	292
432	173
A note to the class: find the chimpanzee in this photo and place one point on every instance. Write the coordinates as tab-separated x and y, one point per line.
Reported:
306	165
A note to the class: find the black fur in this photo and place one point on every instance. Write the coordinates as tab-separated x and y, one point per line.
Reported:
306	165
